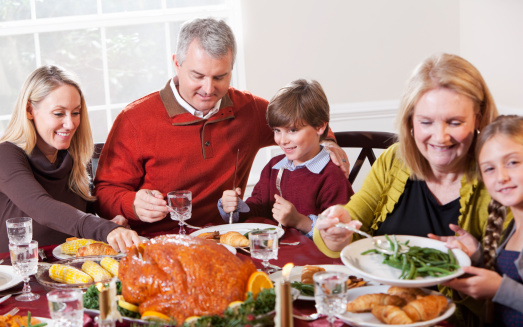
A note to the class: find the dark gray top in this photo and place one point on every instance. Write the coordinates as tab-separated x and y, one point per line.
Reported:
31	186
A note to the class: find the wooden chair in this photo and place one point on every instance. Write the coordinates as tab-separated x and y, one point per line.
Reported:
367	141
93	164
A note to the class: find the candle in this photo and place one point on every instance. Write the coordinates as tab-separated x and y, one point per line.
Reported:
283	316
107	304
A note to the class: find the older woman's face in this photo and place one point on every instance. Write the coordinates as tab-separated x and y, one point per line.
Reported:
443	126
56	119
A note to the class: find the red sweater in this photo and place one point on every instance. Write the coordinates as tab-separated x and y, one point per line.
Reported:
310	193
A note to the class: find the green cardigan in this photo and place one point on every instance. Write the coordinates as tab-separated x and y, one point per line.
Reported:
385	184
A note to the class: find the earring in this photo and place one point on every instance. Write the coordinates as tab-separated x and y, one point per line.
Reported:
478	131
412	132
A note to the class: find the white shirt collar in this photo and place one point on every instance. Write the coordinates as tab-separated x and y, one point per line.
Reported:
188	107
314	165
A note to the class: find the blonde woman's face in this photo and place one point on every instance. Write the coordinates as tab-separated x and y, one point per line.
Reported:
501	165
443	128
56	119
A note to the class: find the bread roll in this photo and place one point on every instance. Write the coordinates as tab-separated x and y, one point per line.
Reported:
96	249
391	315
308	272
365	302
426	308
234	239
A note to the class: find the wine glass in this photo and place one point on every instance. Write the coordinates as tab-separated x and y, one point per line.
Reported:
180	203
264	246
330	293
19	230
24	258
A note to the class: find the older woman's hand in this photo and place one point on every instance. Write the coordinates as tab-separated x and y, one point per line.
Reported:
122	238
464	241
336	238
150	206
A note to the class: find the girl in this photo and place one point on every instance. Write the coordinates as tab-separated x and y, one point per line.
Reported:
500	157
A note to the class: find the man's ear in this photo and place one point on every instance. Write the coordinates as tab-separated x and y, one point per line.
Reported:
29	111
175	63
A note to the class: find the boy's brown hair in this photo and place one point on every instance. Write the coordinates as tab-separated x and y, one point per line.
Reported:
298	103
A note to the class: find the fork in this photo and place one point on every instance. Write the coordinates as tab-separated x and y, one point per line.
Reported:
12	312
278	185
311	317
42	255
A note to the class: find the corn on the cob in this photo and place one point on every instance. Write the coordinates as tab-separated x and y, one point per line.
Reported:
68	275
96	271
110	265
72	247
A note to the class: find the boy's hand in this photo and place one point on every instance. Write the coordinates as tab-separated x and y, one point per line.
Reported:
230	200
285	212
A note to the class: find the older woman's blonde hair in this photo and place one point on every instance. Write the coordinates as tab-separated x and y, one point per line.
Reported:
442	71
21	130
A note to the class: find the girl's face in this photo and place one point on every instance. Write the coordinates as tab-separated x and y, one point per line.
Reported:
299	144
501	165
56	119
443	128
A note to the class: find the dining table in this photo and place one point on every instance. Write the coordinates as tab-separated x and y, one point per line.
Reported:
304	253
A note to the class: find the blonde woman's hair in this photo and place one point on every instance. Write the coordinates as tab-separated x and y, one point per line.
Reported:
441	71
21	130
510	126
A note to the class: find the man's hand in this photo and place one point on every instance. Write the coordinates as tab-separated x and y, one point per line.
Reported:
285	213
338	156
150	206
230	200
483	284
122	238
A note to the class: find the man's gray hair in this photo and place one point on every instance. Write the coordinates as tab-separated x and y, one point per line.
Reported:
215	37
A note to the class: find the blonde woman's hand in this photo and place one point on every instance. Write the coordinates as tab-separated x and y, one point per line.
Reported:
150	206
122	238
336	238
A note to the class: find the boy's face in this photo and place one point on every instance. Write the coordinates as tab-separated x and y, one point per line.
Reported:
299	143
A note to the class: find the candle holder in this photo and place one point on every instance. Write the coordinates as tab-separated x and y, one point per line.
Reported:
283	317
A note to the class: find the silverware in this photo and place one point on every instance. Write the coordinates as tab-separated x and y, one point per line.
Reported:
5	298
278	185
191	226
293	243
42	255
310	317
13	293
234	183
12	312
1	260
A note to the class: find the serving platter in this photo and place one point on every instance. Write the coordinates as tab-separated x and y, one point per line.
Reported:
371	266
8	277
367	319
241	228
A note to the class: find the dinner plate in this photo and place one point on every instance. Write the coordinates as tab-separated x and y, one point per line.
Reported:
296	276
241	228
8	277
371	266
48	321
42	275
367	319
230	248
57	251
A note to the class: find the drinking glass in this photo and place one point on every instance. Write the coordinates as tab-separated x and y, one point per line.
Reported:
66	307
24	258
330	293
264	246
181	204
19	230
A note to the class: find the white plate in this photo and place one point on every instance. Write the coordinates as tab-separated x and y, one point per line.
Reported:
57	251
241	228
367	319
230	248
296	276
371	266
49	321
8	277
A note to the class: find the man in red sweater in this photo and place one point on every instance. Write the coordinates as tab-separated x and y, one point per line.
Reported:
186	136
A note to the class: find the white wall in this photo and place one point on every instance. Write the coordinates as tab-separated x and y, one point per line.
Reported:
362	52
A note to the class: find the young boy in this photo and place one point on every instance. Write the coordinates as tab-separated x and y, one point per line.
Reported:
310	182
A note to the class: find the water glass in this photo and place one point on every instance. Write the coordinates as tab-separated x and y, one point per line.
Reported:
66	307
263	245
24	258
19	230
180	203
330	293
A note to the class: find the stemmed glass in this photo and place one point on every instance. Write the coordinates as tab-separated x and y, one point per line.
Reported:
264	246
24	258
180	203
19	230
330	293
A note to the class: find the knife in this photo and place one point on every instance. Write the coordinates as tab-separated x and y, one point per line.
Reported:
234	183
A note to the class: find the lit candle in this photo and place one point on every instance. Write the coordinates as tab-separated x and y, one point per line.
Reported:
283	316
107	304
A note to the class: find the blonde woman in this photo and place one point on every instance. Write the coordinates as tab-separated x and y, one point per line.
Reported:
44	151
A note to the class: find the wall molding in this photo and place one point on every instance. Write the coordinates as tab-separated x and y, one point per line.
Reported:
364	110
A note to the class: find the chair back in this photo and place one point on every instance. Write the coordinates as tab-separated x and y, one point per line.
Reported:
367	141
93	164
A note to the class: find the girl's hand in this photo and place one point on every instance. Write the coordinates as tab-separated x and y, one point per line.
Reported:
464	241
122	238
285	213
230	200
482	285
336	238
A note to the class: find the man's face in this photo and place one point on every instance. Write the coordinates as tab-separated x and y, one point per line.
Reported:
203	80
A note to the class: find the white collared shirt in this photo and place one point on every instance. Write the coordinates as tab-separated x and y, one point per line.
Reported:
188	107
